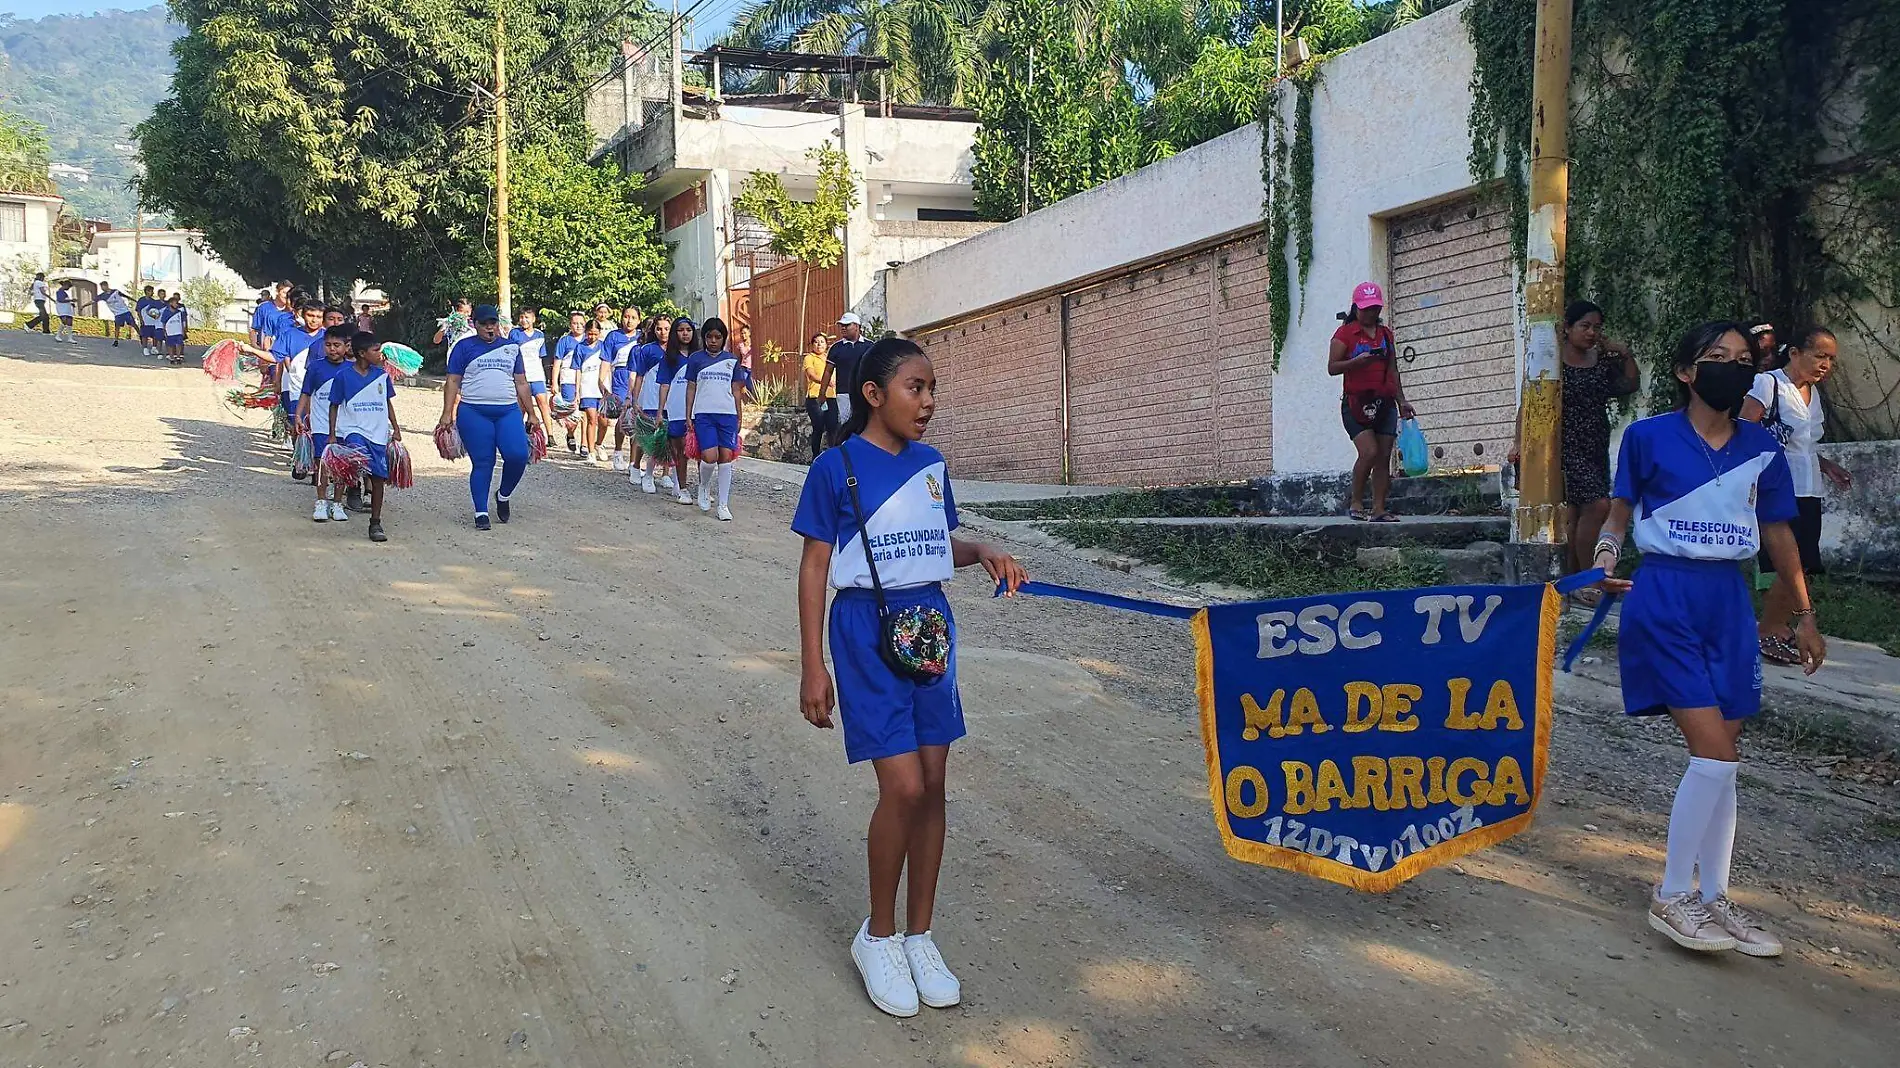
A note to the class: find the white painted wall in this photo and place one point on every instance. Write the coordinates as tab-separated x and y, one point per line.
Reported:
1208	191
1389	134
40	214
112	256
696	277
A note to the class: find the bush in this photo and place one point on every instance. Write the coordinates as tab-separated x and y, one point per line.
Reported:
86	326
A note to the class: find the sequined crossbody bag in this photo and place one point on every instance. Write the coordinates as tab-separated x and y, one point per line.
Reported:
913	641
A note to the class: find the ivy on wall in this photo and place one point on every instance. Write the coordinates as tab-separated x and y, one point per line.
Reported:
1712	171
1286	172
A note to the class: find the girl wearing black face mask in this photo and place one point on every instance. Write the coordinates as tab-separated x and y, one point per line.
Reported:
1701	493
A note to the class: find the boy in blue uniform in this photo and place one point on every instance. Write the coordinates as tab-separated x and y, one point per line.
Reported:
1701	493
313	418
620	343
363	416
715	400
147	309
884	486
177	324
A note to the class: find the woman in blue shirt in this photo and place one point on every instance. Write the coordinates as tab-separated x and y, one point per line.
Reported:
883	487
1700	493
485	399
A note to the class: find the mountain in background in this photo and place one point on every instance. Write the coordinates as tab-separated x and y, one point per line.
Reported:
86	78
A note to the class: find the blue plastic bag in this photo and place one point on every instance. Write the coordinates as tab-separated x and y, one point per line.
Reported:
1414	457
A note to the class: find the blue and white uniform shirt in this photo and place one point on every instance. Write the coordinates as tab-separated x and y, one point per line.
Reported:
362	400
1692	501
620	345
175	320
150	311
715	372
645	359
534	345
63	302
488	369
586	360
911	514
673	374
316	385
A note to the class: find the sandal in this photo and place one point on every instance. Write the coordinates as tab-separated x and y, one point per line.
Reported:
1779	650
1358	516
1385	517
1588	597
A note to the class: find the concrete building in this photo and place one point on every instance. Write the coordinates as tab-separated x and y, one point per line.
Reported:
695	148
27	221
168	259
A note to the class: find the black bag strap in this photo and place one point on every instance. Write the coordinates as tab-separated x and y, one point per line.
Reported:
1774	406
857	513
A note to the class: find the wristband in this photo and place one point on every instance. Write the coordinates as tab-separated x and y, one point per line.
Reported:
1609	545
1809	612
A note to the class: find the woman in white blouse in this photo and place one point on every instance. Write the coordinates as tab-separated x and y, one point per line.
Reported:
1786	403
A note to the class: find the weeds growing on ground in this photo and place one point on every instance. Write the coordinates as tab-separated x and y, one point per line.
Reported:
1141	504
1274	563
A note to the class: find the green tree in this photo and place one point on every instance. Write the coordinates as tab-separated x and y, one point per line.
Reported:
808	231
207	297
931	43
24	156
353	147
1061	97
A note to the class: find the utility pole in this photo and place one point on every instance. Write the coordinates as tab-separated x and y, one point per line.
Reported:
504	287
1028	121
1539	524
138	234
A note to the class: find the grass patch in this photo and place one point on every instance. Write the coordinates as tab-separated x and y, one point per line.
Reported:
1141	504
1858	609
1812	732
1274	563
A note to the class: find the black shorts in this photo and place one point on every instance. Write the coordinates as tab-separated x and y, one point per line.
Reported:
1806	525
1384	421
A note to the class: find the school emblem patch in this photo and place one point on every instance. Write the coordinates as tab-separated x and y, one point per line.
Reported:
935	488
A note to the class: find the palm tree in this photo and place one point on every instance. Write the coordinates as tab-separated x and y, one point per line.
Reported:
931	43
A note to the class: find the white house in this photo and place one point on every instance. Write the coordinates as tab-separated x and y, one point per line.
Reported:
27	221
696	147
167	259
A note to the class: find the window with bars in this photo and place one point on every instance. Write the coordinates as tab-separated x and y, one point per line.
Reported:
12	221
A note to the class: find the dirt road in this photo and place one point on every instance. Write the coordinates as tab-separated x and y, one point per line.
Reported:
272	795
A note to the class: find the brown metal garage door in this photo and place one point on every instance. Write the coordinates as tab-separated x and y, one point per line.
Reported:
1452	301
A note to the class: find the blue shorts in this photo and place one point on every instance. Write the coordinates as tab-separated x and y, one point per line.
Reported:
537	389
289	401
148	333
378	454
676	428
651	413
883	713
567	393
175	339
590	403
716	431
317	443
1687	639
123	320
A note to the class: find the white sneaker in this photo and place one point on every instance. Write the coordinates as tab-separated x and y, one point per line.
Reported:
620	463
936	987
886	972
646	483
705	492
666	481
322	513
680	497
338	514
724	513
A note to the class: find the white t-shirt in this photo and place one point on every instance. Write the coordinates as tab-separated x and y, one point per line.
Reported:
1805	423
39	289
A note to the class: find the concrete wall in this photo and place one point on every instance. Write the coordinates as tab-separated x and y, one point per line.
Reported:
1209	191
1390	134
40	214
1861	528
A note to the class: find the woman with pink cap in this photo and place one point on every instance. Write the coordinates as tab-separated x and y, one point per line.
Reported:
1373	402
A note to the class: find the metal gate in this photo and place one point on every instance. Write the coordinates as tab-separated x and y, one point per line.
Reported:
772	309
1452	309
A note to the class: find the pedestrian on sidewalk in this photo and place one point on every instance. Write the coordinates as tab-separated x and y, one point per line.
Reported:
1373	402
896	687
486	398
844	356
63	307
363	415
821	397
1596	373
39	294
1700	493
715	403
1787	403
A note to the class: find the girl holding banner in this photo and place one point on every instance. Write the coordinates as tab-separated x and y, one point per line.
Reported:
1700	493
877	515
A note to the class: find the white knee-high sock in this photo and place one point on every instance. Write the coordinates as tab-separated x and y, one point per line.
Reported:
1717	848
1696	800
725	482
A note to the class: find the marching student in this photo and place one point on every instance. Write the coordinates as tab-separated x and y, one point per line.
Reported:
534	361
484	398
565	380
620	343
121	310
313	418
363	411
646	389
1700	493
671	374
883	484
177	326
715	400
63	307
149	318
452	328
590	367
288	357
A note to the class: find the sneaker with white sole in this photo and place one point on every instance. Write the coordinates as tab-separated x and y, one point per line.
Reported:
704	487
620	463
886	971
680	497
1688	923
724	513
338	514
647	485
666	481
936	986
1750	936
322	512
